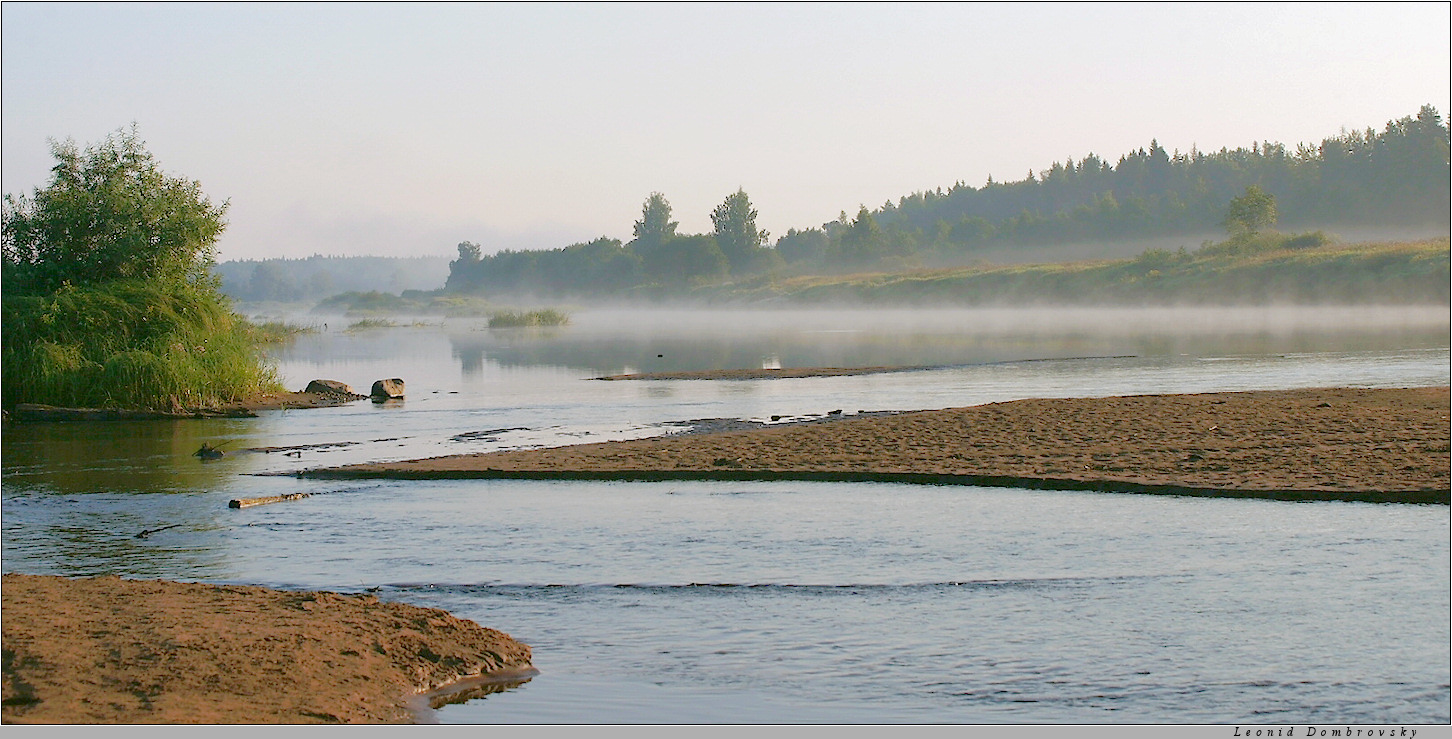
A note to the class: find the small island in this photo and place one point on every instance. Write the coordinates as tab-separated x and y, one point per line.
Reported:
1372	445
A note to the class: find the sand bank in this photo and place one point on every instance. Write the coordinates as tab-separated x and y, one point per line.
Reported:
108	650
1383	445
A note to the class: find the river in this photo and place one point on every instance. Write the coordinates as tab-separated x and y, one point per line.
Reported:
713	602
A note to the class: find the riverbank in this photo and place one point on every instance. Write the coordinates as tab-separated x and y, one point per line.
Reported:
1268	269
1377	445
107	650
30	412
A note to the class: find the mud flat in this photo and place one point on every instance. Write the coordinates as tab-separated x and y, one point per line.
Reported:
1376	445
108	650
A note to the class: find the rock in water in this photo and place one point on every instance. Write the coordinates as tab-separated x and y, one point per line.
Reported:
330	387
387	389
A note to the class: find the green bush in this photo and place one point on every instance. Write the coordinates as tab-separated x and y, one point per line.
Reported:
1308	240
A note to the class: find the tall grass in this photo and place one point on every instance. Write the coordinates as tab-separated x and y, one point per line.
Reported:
278	332
369	323
130	344
524	319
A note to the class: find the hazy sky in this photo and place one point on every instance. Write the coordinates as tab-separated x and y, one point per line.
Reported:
402	129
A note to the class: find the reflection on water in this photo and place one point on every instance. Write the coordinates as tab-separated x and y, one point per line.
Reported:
151	456
616	342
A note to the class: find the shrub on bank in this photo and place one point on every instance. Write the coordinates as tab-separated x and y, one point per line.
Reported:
129	344
109	300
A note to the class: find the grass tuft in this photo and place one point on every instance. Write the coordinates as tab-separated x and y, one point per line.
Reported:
528	319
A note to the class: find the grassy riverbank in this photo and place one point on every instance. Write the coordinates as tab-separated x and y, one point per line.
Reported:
1260	269
130	344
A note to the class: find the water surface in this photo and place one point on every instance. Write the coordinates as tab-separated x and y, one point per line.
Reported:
787	601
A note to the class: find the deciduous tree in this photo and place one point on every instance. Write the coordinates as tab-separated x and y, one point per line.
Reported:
1250	212
109	213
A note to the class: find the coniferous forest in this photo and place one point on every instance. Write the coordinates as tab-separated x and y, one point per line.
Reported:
1394	179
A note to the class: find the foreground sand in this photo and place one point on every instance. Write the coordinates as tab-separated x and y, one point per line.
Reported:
107	650
1385	445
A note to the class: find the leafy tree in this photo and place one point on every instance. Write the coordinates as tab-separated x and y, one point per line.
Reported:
803	246
698	257
469	252
861	242
655	226
109	213
736	233
1251	212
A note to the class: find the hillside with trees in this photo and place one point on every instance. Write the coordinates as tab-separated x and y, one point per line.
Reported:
1393	179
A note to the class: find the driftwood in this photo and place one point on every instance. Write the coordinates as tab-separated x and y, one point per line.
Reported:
249	502
149	532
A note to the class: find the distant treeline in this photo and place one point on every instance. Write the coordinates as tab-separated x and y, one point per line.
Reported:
1395	179
317	277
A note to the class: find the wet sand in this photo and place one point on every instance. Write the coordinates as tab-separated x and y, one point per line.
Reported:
1382	445
107	650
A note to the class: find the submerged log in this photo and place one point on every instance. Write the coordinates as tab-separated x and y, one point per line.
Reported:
249	502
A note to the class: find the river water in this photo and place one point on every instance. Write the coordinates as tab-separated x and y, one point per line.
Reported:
712	602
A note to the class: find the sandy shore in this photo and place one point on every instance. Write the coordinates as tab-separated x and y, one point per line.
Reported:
108	650
1384	445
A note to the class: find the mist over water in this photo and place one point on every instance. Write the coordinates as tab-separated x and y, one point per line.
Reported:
785	602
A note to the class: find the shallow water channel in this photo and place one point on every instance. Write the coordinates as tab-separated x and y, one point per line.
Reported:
714	602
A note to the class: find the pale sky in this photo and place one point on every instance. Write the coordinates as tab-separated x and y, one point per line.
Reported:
402	129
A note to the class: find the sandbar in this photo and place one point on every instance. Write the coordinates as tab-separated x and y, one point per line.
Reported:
107	650
1355	444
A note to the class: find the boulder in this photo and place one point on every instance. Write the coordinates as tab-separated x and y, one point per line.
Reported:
329	387
387	389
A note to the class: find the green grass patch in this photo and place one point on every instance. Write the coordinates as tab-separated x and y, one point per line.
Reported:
130	344
371	323
278	332
528	319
